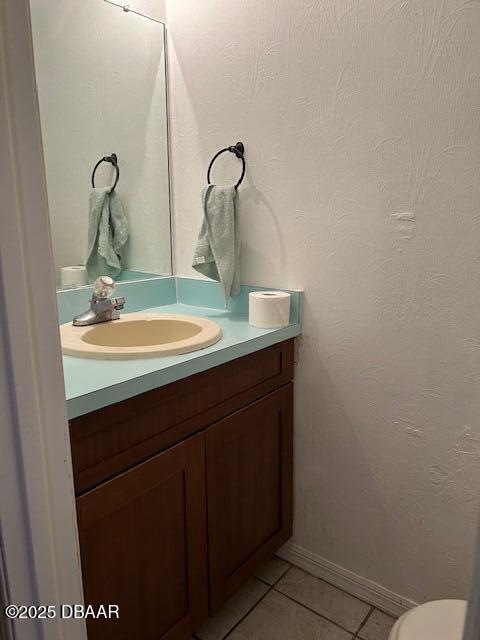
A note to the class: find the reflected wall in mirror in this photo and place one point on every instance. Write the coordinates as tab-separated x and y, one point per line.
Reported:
101	82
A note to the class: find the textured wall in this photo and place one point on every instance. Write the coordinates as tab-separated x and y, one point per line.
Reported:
102	89
362	128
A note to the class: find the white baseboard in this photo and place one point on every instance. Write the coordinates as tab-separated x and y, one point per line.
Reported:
346	580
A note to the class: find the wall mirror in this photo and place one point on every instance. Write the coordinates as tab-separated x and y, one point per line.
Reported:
101	81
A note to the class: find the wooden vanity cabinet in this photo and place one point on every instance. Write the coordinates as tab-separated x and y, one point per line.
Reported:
182	493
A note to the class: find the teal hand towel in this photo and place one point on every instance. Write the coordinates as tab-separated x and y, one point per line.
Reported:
107	233
217	254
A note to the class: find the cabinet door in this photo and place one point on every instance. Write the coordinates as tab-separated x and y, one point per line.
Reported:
143	547
249	490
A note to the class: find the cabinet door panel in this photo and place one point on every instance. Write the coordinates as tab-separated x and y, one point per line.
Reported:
143	547
249	489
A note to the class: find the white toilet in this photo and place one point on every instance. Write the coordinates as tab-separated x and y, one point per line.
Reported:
439	620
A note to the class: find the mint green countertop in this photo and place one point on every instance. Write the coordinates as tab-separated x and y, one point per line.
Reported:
92	384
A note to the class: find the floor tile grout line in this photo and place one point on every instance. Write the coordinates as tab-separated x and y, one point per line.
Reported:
365	620
277	580
247	614
282	576
320	615
267	584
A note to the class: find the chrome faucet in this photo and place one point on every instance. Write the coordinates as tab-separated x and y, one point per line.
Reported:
103	307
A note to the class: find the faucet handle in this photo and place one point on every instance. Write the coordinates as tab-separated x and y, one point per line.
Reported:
103	287
118	303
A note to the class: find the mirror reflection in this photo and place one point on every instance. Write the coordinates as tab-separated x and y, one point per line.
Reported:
102	91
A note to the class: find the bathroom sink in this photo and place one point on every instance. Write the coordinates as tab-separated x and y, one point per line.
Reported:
140	335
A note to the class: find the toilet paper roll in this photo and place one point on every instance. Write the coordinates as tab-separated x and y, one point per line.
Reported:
75	276
269	309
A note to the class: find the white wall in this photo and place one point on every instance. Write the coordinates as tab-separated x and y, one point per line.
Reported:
153	8
362	133
102	89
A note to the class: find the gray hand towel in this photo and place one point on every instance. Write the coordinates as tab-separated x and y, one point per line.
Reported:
218	248
107	233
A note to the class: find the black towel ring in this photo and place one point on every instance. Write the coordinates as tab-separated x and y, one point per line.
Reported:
239	150
113	161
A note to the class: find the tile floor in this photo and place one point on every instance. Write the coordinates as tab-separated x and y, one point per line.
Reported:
285	603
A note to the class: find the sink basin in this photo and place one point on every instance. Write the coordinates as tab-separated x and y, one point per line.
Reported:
140	335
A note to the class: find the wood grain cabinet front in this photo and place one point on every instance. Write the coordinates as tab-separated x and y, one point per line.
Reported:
249	490
143	547
182	493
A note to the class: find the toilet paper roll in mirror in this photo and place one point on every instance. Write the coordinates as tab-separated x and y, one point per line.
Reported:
269	309
75	276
